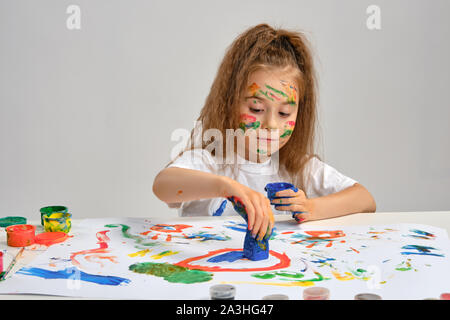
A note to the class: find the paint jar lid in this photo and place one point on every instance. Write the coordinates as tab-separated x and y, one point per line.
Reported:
367	296
276	297
316	293
21	229
49	238
10	221
445	296
222	292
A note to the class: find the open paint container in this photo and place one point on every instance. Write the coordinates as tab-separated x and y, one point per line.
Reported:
58	222
20	235
51	209
50	238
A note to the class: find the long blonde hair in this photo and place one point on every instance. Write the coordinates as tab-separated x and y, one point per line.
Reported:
259	47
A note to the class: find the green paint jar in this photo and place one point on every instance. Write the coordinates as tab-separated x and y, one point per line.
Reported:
51	209
58	222
10	221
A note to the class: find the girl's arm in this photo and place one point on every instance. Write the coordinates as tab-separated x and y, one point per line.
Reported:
174	185
353	199
350	200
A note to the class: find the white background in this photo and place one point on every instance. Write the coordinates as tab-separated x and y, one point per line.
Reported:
86	115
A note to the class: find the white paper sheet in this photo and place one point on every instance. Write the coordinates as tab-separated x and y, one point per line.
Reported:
398	261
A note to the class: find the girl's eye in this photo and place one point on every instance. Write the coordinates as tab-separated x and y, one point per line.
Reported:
256	110
284	114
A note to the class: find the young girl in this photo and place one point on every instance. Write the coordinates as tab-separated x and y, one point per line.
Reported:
265	88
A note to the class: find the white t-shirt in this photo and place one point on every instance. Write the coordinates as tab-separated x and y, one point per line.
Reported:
323	180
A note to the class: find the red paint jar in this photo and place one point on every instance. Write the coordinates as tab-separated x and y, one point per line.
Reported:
20	235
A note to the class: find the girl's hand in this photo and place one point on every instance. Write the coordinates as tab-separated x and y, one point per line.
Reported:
257	206
296	202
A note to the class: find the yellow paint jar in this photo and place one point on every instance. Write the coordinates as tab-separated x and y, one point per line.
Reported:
58	221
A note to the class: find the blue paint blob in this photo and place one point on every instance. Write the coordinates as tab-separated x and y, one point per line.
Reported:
74	274
273	188
255	250
228	256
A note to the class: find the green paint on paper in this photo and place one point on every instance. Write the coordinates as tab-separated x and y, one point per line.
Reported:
125	233
171	273
404	266
286	275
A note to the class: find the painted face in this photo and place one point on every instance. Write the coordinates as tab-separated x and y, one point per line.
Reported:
269	107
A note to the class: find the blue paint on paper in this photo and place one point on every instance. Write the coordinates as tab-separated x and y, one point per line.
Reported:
242	227
203	236
421	250
323	260
228	256
74	274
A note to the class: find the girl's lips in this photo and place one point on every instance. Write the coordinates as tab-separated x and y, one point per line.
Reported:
260	138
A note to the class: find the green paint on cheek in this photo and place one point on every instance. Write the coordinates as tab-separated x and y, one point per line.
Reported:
171	273
286	133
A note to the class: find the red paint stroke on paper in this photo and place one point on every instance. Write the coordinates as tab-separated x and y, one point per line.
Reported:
96	253
284	262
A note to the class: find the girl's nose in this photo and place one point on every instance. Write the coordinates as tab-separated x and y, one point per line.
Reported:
269	122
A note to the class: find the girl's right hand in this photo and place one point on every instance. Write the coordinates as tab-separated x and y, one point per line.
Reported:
257	206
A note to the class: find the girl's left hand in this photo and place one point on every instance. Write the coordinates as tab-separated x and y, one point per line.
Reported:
296	202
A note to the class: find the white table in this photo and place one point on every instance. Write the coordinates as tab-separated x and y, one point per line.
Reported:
440	219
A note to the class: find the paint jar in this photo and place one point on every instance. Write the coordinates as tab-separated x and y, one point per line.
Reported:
10	221
316	293
49	238
367	296
51	209
1	261
222	292
20	235
58	221
445	296
276	297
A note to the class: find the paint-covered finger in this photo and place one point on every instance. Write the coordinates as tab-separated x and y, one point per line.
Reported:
271	221
299	217
266	219
283	201
259	215
264	227
250	210
285	193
